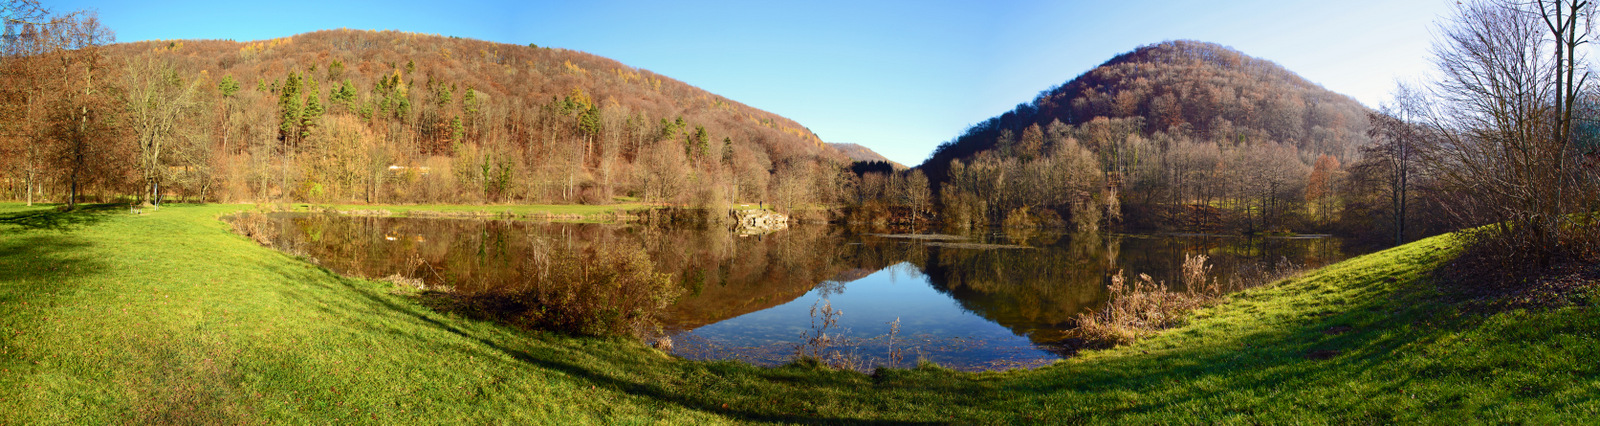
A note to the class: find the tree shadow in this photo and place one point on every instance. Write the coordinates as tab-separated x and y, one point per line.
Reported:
554	357
55	220
36	266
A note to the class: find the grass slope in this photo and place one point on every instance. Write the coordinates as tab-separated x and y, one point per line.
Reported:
166	317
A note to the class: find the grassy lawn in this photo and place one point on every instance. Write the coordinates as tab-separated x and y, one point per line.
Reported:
166	317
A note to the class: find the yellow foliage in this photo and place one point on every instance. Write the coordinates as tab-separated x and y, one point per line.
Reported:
576	70
401	89
579	97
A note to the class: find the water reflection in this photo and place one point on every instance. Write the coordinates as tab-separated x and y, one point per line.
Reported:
750	297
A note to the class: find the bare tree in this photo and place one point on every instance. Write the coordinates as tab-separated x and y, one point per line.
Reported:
1397	136
21	94
1511	75
157	99
80	126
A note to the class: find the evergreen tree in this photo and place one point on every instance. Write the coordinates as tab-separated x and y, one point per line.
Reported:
228	86
457	131
313	111
442	94
670	129
589	121
702	141
289	108
469	101
335	70
344	96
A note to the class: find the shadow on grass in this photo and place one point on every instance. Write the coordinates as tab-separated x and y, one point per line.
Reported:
35	267
557	356
55	220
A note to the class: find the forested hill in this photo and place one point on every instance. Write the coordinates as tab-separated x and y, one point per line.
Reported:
859	153
1180	134
387	116
1184	89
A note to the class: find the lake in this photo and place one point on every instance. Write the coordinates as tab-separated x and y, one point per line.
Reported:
979	301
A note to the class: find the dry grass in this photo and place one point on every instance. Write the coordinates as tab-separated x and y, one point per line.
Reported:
1143	306
256	226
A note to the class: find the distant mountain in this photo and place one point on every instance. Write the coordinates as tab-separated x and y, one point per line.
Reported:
856	152
1194	90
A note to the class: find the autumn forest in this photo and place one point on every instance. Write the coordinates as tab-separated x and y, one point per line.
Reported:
391	227
378	117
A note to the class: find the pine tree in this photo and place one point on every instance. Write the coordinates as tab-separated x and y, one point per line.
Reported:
344	96
442	94
289	108
313	112
702	141
228	86
335	70
457	131
589	121
469	102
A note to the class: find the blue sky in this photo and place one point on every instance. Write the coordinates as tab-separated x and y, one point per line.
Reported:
899	77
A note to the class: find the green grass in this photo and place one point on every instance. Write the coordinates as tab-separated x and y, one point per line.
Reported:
166	317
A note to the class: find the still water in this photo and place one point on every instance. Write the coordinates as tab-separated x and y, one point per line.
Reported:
972	302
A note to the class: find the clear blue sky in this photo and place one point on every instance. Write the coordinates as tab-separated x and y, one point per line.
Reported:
898	77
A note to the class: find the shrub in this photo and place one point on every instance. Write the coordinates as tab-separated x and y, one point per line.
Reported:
256	226
1144	306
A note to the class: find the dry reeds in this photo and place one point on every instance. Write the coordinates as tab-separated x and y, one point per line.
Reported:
256	226
814	343
826	343
1141	307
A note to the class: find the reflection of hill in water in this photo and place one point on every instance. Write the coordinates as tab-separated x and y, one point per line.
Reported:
762	273
849	275
1032	292
1035	293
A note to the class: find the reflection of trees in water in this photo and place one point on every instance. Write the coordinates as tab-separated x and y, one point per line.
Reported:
1162	257
756	273
723	274
1037	292
1033	292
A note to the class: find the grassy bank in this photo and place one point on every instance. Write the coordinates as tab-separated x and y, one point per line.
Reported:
111	317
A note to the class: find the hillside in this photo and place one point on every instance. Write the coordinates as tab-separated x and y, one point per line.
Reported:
384	116
1167	125
859	153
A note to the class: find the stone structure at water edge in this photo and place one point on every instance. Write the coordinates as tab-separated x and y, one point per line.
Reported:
754	222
